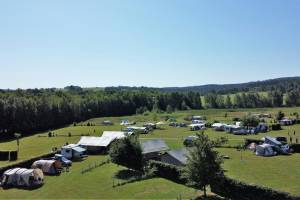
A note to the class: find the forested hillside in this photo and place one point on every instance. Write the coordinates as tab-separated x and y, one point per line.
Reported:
283	84
33	110
29	111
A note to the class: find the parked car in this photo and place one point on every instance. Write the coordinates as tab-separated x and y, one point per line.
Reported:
65	162
188	141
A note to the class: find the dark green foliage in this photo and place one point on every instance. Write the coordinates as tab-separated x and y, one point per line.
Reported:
276	98
236	190
276	127
169	109
295	147
167	171
141	110
293	97
127	152
228	102
236	119
250	120
203	163
280	115
13	155
4	155
30	111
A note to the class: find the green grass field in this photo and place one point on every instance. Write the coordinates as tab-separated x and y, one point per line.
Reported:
280	172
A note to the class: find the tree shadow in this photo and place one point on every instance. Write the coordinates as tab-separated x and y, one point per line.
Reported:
209	197
31	188
127	174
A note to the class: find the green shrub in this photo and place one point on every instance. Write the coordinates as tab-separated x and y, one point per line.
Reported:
237	190
167	171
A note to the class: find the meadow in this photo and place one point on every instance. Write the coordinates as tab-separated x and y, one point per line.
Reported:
279	172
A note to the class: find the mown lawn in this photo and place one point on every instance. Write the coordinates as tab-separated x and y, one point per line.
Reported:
98	184
280	172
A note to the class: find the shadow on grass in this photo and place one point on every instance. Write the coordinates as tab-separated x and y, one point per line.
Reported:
127	174
8	187
209	197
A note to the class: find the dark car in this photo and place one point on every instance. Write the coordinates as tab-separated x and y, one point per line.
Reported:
65	162
188	141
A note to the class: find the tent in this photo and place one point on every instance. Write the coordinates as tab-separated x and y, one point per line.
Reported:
272	141
265	150
22	177
48	166
175	157
252	146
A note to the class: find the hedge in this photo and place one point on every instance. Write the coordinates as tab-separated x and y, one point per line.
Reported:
167	171
276	127
237	190
13	155
4	155
223	186
295	147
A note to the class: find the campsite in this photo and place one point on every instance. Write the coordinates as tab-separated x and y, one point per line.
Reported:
241	165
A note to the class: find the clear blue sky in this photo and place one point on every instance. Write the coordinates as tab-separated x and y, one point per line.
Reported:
151	43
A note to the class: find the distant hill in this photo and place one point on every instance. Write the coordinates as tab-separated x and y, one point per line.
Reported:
258	86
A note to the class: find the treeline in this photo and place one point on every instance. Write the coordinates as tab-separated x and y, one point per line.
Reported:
275	98
29	111
282	84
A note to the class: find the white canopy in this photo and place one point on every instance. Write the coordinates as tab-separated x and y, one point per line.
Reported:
217	125
103	141
197	125
90	141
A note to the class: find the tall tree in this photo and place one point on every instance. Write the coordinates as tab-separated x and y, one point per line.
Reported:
127	152
203	163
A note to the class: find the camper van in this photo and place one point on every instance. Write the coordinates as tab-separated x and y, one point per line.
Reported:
196	127
21	177
73	152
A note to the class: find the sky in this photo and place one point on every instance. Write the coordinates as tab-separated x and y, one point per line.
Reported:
157	43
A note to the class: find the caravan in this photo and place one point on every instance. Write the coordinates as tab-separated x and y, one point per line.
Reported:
73	152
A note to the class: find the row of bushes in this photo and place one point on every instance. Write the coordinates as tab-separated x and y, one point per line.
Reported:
8	155
223	186
295	147
25	163
167	171
276	127
237	190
